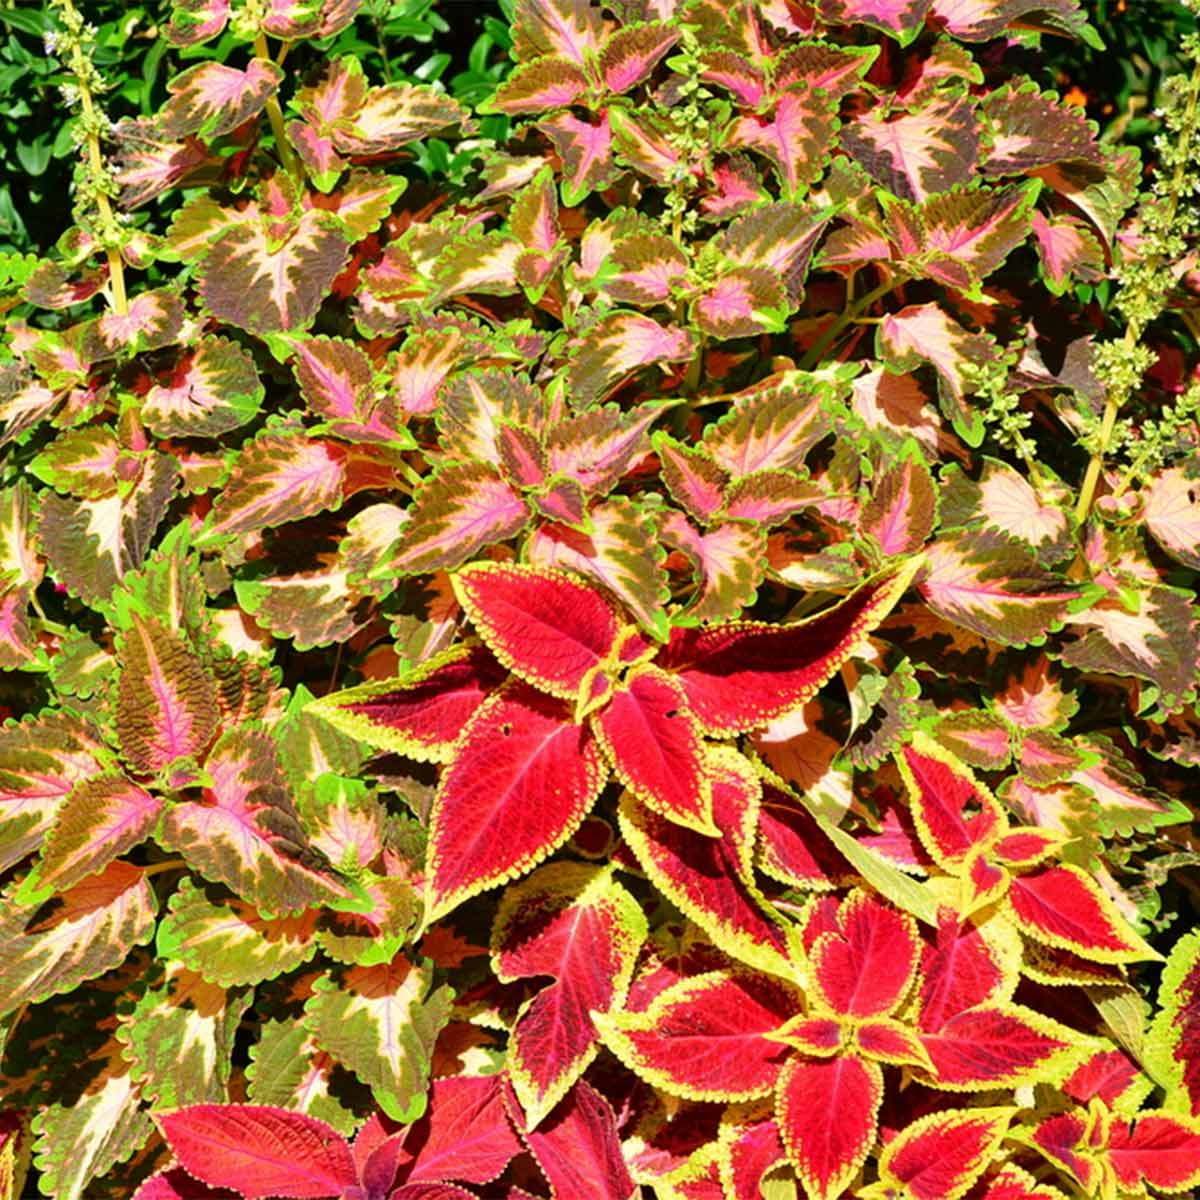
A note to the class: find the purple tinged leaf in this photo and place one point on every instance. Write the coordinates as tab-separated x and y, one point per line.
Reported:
461	509
585	147
280	477
795	138
210	99
543	85
917	154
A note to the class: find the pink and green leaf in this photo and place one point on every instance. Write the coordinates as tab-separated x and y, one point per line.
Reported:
166	700
209	99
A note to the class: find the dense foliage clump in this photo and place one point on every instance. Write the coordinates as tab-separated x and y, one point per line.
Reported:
632	630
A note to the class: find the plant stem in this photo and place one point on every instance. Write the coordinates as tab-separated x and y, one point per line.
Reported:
287	156
850	314
167	864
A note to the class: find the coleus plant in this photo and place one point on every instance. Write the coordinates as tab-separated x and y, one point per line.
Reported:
607	670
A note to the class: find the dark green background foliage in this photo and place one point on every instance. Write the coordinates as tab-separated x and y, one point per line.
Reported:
462	43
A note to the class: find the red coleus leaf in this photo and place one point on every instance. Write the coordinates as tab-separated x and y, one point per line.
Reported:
576	924
1012	1183
1155	1148
524	767
1107	1074
544	625
177	1184
961	970
938	1157
579	1151
1000	1045
706	1037
866	967
651	739
743	674
259	1151
420	714
431	1191
827	1111
953	813
1069	1140
1062	907
1174	1044
466	1135
711	878
792	846
751	1154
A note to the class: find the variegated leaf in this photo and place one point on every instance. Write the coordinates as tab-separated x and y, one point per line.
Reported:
380	1022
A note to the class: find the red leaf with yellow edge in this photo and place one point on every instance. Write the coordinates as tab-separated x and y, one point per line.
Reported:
938	1157
579	1151
816	1036
259	1150
466	1134
576	924
711	878
1062	907
1011	1183
1000	1045
706	1037
828	1111
889	1041
422	713
1107	1074
960	971
1026	847
546	626
954	814
865	969
792	846
743	674
1067	1140
524	768
1155	1148
748	1156
1174	1043
651	739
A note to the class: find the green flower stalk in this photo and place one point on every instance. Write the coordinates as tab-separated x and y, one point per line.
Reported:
74	44
1169	218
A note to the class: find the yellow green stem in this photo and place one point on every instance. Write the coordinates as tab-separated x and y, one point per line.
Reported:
287	156
851	314
116	267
